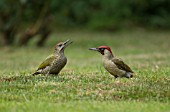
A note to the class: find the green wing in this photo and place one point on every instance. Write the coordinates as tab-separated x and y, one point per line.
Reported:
121	65
47	62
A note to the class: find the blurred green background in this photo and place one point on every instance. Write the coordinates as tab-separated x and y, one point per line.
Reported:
21	20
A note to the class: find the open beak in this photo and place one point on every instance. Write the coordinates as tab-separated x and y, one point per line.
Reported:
66	43
94	49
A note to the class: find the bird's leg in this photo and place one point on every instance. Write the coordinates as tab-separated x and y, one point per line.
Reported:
117	82
47	74
115	76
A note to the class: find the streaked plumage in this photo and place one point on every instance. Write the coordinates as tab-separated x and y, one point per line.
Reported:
115	66
54	63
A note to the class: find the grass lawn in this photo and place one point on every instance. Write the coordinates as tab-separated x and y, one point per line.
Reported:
84	85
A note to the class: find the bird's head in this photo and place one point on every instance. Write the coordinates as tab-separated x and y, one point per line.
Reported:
104	50
62	45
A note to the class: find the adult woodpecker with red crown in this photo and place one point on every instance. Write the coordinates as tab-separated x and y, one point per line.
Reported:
115	66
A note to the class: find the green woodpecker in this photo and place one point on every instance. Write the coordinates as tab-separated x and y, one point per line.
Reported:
54	63
115	66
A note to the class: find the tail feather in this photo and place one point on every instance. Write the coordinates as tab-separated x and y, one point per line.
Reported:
36	73
129	75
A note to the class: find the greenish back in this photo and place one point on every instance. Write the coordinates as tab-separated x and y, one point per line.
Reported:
47	62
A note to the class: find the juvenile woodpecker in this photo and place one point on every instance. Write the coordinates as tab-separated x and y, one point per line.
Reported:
115	66
54	63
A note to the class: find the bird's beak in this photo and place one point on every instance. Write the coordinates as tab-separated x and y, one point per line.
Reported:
66	43
94	49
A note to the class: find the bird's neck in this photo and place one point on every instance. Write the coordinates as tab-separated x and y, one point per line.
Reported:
108	56
59	53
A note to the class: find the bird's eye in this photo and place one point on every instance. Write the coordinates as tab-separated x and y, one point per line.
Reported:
102	49
60	45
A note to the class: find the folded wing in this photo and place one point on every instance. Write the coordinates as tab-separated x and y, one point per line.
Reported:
121	65
47	62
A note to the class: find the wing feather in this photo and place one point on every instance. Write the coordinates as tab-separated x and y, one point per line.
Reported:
121	65
46	62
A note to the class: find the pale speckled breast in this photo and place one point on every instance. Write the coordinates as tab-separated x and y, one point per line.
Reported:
109	66
58	64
